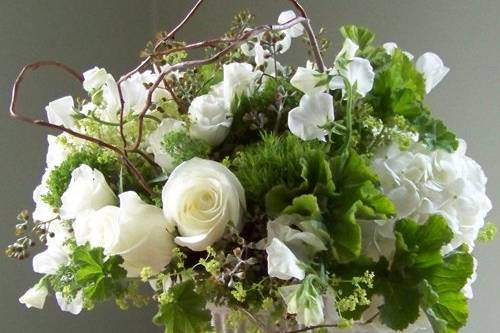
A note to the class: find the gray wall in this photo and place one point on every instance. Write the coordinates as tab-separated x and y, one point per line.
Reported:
110	33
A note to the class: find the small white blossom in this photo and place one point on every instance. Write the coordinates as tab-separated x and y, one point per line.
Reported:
391	47
155	142
61	111
94	79
73	306
35	297
308	80
358	72
239	79
282	263
433	69
307	121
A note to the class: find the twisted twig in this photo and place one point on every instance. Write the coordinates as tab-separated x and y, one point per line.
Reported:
73	73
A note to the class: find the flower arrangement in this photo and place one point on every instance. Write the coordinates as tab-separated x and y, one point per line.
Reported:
258	196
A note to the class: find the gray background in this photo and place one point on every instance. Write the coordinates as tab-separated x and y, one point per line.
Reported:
110	33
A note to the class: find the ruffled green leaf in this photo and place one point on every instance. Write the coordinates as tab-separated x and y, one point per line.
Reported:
183	310
359	35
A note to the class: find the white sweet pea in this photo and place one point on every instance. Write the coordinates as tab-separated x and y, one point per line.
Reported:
155	142
358	72
202	197
73	306
433	69
349	50
307	80
313	113
304	301
57	252
239	78
293	32
87	190
110	105
35	297
135	92
282	262
94	79
57	152
391	47
136	231
255	49
60	112
210	118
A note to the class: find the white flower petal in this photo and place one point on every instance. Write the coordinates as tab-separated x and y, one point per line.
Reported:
313	113
88	190
35	297
60	112
94	79
306	80
433	69
50	260
155	142
349	50
282	263
73	306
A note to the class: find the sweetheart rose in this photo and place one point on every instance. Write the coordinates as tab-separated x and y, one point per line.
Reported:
202	197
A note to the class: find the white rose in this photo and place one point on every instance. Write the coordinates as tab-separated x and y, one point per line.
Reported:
88	190
35	297
210	118
239	79
136	231
94	79
61	111
155	142
202	197
307	121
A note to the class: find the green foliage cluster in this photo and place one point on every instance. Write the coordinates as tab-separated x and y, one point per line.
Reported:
421	277
277	161
182	310
182	147
100	277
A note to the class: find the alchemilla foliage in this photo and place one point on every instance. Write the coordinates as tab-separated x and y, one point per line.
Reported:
275	197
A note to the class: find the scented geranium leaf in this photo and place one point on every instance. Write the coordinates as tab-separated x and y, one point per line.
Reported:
359	35
280	197
434	133
99	277
401	306
398	89
447	309
345	233
183	310
305	205
419	266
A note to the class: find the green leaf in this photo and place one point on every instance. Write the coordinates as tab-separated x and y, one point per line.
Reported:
305	205
359	35
184	311
433	281
434	133
401	305
346	235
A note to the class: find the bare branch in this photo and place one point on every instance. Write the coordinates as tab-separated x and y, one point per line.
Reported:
39	122
312	37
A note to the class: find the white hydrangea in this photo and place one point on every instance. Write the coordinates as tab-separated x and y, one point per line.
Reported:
422	183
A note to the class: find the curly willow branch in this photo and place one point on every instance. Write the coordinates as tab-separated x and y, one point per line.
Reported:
73	73
230	44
